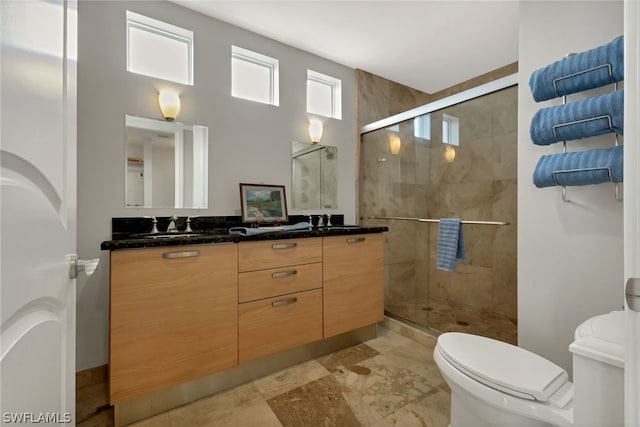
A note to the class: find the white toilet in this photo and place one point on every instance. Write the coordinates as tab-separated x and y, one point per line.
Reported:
495	384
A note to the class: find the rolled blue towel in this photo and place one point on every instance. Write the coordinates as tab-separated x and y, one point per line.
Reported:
572	73
597	161
588	117
252	231
450	244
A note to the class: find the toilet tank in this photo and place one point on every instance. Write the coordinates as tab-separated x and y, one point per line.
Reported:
598	371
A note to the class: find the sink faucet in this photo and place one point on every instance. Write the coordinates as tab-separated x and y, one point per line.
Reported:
171	228
154	228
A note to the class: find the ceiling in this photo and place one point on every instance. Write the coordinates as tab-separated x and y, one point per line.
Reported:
427	45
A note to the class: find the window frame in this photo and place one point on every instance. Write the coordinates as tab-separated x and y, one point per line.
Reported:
255	58
453	126
336	93
164	29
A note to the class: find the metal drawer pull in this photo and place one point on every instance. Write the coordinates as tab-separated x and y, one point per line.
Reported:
173	255
284	302
355	239
284	274
284	245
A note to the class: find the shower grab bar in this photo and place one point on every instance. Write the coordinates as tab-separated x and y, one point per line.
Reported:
437	220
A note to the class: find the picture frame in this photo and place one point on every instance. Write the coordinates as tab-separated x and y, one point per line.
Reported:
263	203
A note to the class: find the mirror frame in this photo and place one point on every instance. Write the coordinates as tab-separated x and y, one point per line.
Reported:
200	160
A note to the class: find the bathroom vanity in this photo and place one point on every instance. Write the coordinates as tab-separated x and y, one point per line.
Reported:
184	308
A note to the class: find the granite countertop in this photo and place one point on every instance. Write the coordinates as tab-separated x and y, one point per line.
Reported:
129	237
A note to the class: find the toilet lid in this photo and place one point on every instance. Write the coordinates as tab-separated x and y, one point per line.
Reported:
502	366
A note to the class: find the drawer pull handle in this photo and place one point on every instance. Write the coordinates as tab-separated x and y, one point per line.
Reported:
282	302
355	239
284	274
284	245
173	255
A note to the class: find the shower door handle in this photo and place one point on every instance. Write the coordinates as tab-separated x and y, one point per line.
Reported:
632	293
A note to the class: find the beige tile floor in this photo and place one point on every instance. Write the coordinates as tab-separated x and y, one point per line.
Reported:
449	316
387	381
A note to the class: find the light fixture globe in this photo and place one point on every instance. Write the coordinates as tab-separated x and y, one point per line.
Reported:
169	102
315	130
395	143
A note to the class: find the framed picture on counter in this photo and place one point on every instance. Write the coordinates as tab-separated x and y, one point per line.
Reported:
263	203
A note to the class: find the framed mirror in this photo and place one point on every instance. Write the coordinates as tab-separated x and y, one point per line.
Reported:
166	164
314	176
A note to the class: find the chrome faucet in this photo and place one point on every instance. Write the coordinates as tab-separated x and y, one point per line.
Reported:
154	228
171	228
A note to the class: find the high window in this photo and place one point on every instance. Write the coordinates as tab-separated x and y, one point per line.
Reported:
254	76
324	95
158	49
422	126
450	130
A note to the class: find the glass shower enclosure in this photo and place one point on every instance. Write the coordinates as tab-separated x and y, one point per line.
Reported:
447	159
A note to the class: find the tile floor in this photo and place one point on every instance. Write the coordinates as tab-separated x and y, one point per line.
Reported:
387	381
449	316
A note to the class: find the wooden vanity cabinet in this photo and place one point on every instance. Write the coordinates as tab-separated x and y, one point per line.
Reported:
280	288
353	282
173	316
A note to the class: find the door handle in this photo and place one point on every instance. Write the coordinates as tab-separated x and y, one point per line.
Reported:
632	293
356	239
282	302
89	266
173	255
284	245
279	274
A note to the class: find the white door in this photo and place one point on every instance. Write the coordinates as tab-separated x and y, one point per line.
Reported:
38	210
632	210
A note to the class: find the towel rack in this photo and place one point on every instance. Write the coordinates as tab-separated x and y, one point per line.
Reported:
575	122
437	220
568	76
565	198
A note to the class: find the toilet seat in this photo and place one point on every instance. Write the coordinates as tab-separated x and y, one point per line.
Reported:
501	366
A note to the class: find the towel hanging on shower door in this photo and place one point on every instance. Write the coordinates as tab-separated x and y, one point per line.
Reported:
450	244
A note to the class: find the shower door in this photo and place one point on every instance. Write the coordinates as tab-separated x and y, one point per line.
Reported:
457	162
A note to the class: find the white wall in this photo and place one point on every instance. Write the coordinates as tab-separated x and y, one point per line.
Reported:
249	142
570	255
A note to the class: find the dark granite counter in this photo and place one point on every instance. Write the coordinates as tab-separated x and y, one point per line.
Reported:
130	233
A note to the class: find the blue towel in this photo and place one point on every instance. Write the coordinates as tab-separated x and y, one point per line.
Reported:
450	244
600	158
585	112
576	67
250	231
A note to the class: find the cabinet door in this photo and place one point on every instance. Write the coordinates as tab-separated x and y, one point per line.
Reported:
173	316
353	281
275	324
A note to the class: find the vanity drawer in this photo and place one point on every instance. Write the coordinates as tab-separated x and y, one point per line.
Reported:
278	253
261	284
275	324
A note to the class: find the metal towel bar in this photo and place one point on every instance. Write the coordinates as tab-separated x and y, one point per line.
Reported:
437	220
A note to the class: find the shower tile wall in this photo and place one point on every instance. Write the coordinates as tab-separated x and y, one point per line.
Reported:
479	184
379	98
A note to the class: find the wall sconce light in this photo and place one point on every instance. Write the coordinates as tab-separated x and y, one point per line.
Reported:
394	144
315	130
449	153
169	104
